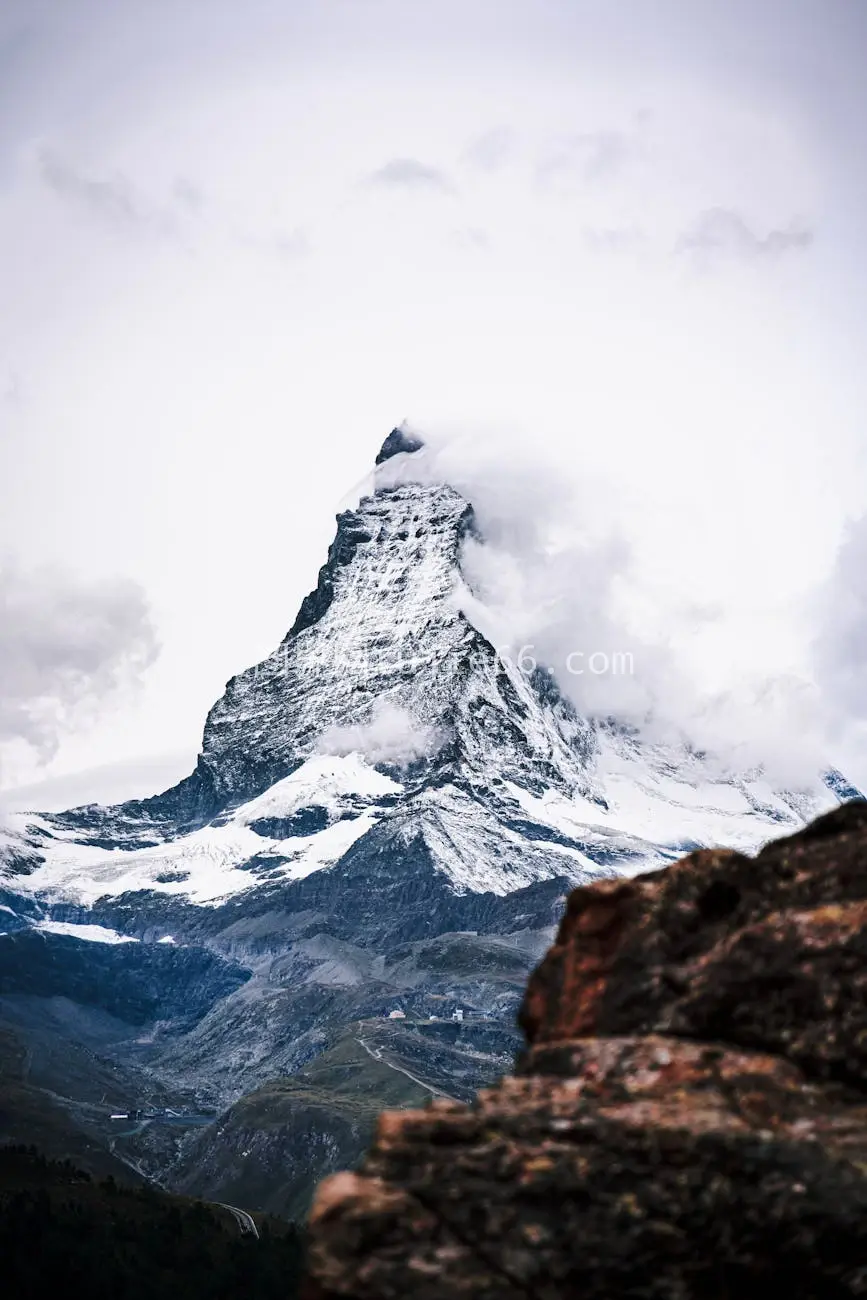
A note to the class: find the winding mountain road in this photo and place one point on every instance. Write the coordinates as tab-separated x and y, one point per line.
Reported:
376	1054
242	1218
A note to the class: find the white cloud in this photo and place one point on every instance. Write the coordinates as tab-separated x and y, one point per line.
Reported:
720	232
470	238
67	648
112	200
840	646
559	578
614	239
409	173
392	736
491	150
587	157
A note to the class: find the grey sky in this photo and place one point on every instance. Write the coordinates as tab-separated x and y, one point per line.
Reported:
627	236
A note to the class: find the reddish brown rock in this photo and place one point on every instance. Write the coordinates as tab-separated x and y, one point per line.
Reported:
689	1120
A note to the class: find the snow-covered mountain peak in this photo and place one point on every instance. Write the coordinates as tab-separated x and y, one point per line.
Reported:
381	624
385	723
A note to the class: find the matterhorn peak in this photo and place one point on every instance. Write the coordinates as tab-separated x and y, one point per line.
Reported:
383	671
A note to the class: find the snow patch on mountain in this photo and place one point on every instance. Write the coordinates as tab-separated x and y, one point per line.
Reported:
205	867
87	933
219	860
669	799
330	780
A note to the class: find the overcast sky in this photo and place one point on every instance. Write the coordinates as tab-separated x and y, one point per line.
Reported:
238	243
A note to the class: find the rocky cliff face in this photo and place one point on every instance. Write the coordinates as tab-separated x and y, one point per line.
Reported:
689	1117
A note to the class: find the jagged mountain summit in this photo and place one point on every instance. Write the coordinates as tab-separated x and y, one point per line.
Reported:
385	718
386	815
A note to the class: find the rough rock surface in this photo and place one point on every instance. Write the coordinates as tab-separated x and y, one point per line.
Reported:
689	1118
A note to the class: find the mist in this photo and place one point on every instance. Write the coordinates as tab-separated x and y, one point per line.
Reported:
564	573
68	650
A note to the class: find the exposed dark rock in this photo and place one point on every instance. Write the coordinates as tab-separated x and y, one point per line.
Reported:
689	1118
135	981
399	440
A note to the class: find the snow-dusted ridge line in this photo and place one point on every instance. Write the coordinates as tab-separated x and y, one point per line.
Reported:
477	848
86	933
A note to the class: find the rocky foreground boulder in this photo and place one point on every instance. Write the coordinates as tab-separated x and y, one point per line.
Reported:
688	1120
